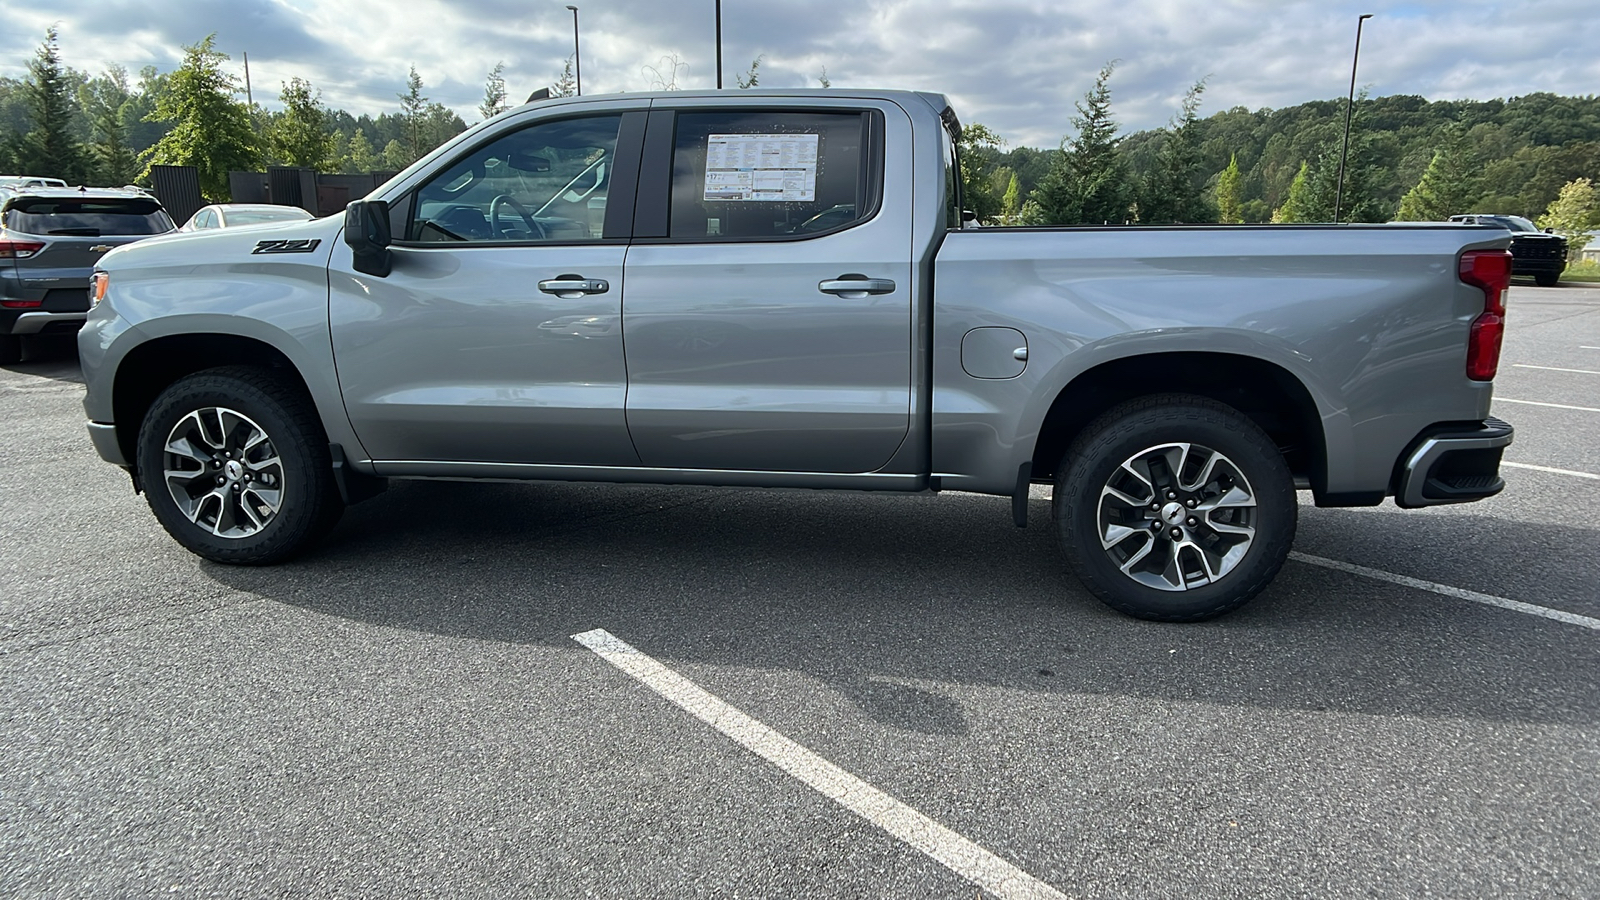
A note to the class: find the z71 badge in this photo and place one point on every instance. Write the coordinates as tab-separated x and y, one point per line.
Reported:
286	246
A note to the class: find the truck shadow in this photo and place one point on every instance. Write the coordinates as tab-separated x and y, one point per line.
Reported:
877	595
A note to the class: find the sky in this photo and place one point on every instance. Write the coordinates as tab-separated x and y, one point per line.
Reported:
1017	66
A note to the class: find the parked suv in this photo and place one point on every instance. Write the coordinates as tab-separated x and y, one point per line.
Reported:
50	240
1533	252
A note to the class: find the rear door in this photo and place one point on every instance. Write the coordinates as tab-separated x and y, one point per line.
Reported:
768	312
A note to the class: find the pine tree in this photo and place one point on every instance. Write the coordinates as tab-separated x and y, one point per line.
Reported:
1573	214
211	129
412	108
300	135
1449	185
359	157
752	76
1088	182
49	149
1297	207
567	84
395	156
1011	203
1228	206
1175	192
107	102
494	92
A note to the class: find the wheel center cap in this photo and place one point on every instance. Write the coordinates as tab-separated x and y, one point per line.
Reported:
1172	514
234	470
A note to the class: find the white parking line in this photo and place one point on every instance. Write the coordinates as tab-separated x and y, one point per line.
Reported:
1551	405
956	853
1516	465
1448	591
1586	347
1555	369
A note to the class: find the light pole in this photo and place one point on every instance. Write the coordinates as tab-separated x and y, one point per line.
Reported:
577	58
1350	107
719	45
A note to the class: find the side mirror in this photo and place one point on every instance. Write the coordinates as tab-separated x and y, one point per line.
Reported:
1549	231
366	230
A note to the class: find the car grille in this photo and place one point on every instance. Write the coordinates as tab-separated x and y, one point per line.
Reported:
1538	249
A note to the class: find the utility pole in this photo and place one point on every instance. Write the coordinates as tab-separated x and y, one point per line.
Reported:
248	99
577	59
719	45
1349	110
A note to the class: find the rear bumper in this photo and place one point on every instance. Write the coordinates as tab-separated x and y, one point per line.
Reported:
37	321
1452	463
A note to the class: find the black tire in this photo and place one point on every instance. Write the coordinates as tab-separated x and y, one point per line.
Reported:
251	401
1136	432
1547	279
10	349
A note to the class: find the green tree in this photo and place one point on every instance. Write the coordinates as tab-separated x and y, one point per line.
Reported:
210	128
1299	207
49	147
1088	183
300	135
1229	209
975	147
107	101
1573	214
395	156
751	77
1011	203
1176	190
1448	186
359	156
413	107
494	92
567	84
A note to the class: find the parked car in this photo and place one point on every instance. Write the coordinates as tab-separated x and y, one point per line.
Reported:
230	215
1534	252
506	309
50	240
22	182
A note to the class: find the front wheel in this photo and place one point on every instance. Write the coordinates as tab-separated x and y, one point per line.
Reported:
235	466
1174	508
1547	279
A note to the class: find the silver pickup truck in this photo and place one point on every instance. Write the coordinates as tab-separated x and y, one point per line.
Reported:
774	288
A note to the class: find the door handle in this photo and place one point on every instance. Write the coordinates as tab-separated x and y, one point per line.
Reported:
856	286
573	285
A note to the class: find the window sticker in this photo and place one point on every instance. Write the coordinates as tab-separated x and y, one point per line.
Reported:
770	167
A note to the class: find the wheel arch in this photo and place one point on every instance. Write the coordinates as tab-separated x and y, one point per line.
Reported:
1267	393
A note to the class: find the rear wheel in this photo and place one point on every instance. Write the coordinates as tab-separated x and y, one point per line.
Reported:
236	467
1174	508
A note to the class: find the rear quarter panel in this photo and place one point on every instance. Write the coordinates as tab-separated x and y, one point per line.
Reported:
1373	322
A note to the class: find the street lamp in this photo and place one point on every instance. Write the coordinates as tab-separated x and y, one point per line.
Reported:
1350	107
577	59
719	45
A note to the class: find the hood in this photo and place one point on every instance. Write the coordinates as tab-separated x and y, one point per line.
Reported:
245	243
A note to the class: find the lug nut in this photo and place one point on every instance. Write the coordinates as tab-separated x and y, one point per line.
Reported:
1155	507
1156	525
1192	522
236	488
1177	533
1172	495
221	480
1192	502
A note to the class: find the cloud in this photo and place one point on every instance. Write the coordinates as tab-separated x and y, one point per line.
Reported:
1015	65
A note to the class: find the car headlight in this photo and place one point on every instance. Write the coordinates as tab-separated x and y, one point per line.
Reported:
98	283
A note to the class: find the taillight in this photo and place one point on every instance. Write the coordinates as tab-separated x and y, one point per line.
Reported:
98	282
19	249
1489	271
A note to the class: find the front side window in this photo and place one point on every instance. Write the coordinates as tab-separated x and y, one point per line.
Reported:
546	182
755	174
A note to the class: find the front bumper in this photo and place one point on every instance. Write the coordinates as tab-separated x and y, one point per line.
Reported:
104	437
1452	463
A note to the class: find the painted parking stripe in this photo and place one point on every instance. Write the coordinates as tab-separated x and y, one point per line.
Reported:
1551	405
1555	369
961	856
1448	591
1516	465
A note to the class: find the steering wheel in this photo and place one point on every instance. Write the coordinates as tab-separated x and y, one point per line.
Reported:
507	200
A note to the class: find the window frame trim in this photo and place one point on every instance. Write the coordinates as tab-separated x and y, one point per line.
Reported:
869	178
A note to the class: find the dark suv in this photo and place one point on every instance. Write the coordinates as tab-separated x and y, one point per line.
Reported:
50	239
1533	252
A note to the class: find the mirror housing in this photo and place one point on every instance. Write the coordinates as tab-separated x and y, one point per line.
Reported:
523	161
366	230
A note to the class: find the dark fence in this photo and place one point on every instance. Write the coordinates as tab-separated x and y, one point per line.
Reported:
178	189
318	194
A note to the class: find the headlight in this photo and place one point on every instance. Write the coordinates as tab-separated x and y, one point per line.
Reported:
98	282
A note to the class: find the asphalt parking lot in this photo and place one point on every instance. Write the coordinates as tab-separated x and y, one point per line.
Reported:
406	713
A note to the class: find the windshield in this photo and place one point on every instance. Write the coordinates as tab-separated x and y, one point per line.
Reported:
87	217
1510	223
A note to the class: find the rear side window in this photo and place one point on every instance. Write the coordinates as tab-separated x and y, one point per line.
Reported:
87	217
759	174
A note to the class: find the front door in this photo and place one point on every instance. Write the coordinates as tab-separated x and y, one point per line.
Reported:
497	337
768	324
